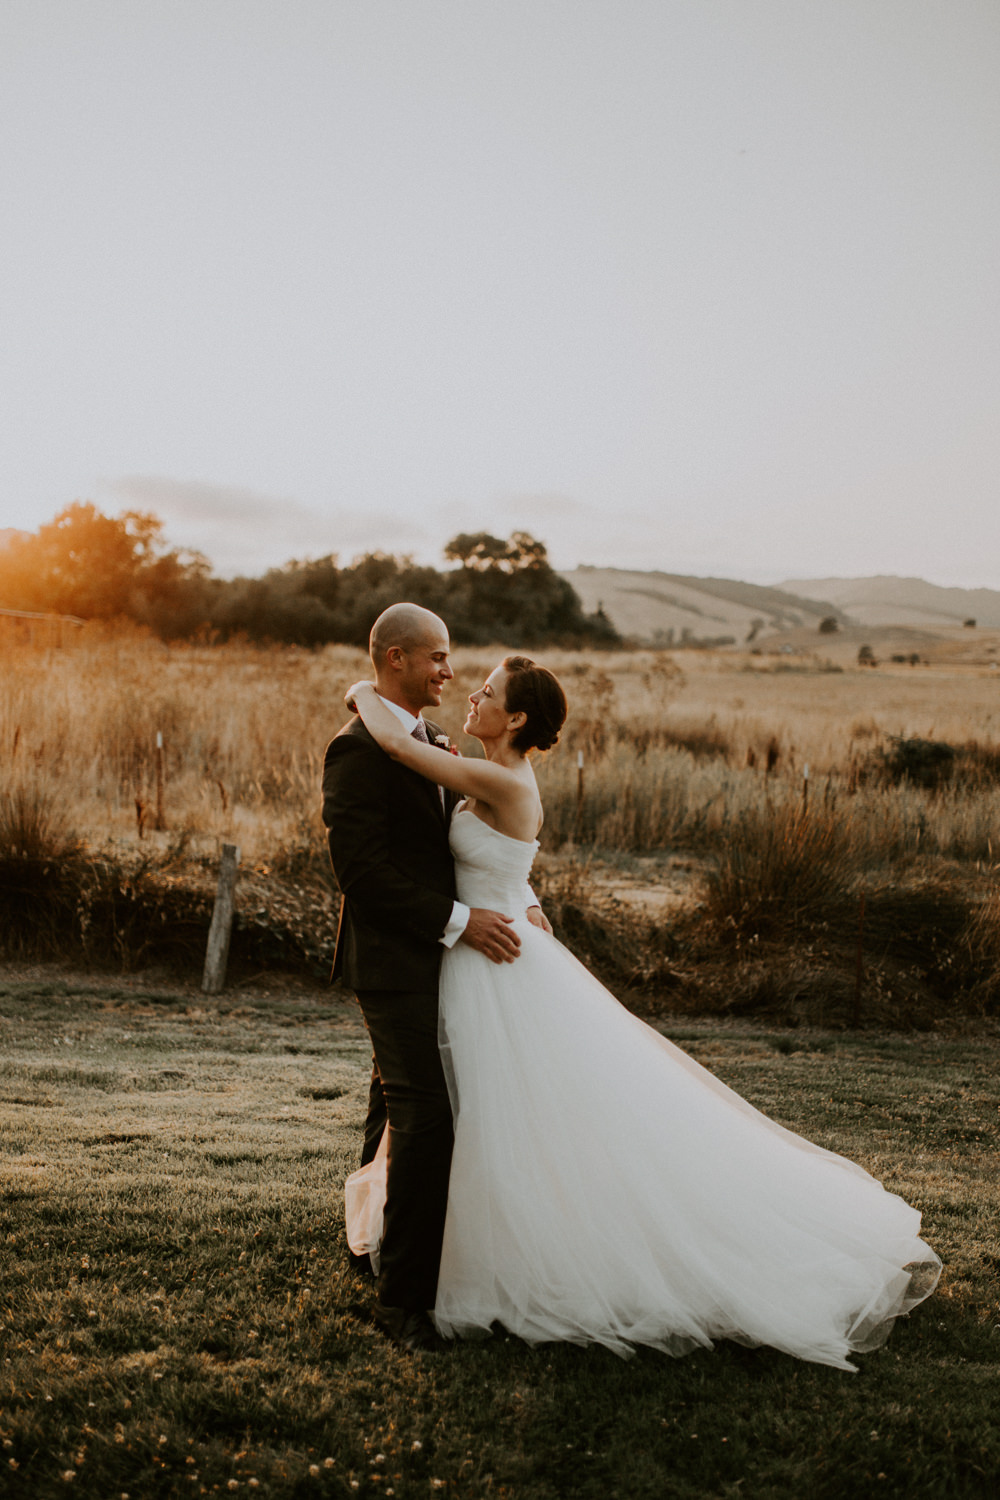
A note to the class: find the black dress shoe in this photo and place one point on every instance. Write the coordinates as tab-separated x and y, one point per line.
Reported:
362	1264
408	1329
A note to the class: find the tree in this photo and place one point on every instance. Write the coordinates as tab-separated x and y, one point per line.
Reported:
100	567
508	592
523	551
481	551
476	549
828	625
85	563
866	656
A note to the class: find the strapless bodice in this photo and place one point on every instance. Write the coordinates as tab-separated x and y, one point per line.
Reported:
490	868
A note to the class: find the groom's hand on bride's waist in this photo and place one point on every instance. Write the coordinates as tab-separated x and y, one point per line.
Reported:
491	933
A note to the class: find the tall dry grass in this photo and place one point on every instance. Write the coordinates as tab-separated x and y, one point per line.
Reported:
681	750
243	729
694	753
668	798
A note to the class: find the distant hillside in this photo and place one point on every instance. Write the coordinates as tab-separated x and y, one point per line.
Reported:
670	608
903	601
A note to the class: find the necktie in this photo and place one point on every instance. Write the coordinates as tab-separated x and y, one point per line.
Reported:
420	733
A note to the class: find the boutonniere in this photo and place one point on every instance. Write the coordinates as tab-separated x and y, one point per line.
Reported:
445	743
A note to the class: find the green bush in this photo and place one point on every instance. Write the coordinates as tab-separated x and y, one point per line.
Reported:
926	763
117	911
779	866
627	948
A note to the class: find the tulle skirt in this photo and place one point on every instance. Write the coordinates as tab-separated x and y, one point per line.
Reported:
605	1188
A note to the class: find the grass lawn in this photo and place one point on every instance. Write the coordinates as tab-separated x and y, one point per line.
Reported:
178	1316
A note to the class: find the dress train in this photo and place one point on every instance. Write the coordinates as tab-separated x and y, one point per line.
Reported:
605	1188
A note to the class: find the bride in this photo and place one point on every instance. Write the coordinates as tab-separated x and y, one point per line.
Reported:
605	1188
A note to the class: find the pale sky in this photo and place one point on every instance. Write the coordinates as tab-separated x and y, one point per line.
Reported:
710	286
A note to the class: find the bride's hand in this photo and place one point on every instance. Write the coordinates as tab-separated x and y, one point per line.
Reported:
353	691
537	918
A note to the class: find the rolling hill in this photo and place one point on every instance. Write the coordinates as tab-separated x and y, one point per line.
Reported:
903	601
672	608
675	609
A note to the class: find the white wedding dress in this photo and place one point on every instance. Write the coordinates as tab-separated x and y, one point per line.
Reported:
605	1188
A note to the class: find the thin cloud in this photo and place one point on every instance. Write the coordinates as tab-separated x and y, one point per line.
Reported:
247	531
192	500
544	507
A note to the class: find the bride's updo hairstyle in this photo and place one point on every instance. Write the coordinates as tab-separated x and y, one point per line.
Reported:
536	693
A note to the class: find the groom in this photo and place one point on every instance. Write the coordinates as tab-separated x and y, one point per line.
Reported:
388	834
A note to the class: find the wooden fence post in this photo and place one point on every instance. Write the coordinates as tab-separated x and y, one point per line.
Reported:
160	820
578	824
217	952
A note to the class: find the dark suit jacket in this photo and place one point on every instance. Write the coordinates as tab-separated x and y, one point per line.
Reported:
388	839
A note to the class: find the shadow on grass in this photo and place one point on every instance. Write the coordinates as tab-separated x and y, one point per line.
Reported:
178	1314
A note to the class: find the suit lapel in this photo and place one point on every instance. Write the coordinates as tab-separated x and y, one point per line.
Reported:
442	796
435	793
430	788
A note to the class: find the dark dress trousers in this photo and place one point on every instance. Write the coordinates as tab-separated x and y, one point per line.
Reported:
388	835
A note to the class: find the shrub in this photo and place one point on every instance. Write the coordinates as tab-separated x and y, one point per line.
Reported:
926	763
626	948
982	944
780	866
118	910
31	826
701	741
917	917
976	762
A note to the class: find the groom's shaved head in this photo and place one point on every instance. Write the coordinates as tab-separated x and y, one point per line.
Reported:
409	650
406	625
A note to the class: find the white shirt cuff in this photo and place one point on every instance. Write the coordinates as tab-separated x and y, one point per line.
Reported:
457	923
532	899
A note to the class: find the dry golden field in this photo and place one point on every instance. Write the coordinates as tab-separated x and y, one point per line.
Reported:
244	729
691	796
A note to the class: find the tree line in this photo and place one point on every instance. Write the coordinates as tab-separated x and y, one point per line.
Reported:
94	566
